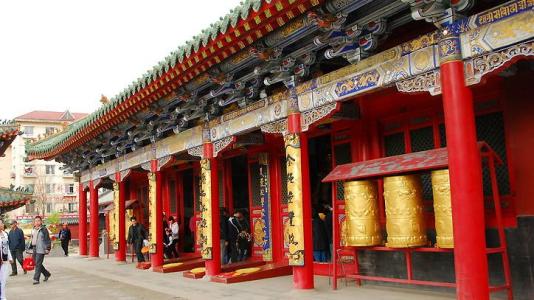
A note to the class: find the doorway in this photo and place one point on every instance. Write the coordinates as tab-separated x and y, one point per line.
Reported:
240	193
188	210
320	160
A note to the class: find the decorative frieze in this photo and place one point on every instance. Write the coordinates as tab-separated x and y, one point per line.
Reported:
197	151
276	127
427	82
162	162
222	144
310	117
477	67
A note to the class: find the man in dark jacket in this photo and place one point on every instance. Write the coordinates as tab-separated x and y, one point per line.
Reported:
136	235
320	238
16	246
65	237
329	232
41	245
239	237
223	223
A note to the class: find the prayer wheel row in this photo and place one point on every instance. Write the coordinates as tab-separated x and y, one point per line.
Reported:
405	224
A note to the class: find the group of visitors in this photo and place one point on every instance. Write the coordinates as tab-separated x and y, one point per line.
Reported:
13	246
235	236
137	237
322	233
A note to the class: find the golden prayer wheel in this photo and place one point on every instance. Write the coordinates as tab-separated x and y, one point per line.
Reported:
405	222
362	224
441	190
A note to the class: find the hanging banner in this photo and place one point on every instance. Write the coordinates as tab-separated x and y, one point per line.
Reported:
294	200
265	199
205	238
152	212
114	217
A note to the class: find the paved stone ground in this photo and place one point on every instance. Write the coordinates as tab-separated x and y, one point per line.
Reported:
80	278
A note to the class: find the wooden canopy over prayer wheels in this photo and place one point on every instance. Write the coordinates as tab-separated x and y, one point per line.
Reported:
442	208
363	227
405	223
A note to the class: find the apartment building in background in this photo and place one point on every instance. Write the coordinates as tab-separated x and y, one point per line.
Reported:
54	188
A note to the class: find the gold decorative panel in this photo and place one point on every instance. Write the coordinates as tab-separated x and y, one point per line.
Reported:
295	201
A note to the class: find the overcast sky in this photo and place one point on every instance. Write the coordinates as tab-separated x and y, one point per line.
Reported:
63	54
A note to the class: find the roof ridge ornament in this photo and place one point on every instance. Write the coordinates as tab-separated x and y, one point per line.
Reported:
104	100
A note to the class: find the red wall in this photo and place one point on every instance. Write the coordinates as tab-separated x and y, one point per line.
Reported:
74	229
519	118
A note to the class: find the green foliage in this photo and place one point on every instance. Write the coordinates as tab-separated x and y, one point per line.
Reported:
52	219
52	222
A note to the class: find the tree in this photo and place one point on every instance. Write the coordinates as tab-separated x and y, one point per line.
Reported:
43	195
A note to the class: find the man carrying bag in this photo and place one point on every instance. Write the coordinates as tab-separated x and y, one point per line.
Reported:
41	245
136	236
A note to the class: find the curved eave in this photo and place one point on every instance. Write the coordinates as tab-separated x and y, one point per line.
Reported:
7	136
13	199
246	24
12	205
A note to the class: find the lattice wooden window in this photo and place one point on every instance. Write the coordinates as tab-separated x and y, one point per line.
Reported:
394	144
342	156
422	139
490	129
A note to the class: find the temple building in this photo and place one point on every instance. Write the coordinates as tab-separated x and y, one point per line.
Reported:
406	125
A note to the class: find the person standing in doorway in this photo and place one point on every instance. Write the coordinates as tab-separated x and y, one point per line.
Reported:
16	246
329	232
5	257
320	238
41	245
65	237
167	242
175	230
136	236
165	222
239	237
223	221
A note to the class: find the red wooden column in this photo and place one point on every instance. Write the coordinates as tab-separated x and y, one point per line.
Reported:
302	274
82	219
213	265
93	229
470	258
157	257
121	219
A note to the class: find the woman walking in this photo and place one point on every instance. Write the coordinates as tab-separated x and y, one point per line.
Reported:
6	260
